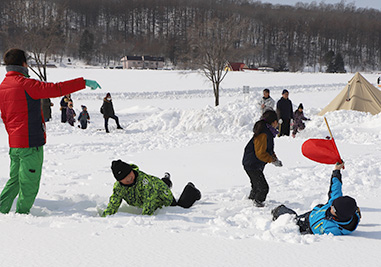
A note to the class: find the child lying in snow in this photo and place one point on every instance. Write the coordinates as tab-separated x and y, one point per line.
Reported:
145	191
340	216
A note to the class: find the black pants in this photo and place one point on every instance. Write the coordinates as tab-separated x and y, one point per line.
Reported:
302	220
63	115
112	117
83	124
285	127
259	185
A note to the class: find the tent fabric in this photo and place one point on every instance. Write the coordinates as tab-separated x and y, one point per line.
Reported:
359	94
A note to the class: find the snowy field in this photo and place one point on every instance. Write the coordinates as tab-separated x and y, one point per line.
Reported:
171	125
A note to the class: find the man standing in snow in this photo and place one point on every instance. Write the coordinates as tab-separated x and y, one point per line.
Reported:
20	106
340	216
284	111
145	191
266	103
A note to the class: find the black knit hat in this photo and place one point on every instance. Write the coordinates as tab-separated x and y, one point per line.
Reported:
269	116
120	169
345	207
300	106
284	91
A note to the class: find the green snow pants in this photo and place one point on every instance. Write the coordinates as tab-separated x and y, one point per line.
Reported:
24	181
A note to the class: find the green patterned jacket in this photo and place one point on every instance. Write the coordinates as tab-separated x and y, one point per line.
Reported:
148	192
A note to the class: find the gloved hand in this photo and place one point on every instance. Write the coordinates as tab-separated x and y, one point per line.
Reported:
277	163
92	84
280	121
339	166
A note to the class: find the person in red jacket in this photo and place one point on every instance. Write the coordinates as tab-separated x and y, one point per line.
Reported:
20	107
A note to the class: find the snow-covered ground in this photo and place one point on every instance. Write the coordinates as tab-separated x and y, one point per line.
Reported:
170	125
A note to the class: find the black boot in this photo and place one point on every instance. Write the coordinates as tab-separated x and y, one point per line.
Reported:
167	180
252	193
280	210
258	204
189	196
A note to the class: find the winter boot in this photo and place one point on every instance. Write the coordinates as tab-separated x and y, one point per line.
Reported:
258	204
252	193
280	210
189	196
167	180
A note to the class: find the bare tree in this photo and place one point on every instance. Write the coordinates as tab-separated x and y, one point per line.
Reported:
212	45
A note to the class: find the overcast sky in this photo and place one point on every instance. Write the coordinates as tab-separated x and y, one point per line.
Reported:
376	4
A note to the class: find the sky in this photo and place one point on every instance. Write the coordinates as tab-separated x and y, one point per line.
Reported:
376	4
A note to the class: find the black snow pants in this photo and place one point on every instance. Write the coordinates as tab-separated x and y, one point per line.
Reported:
285	127
259	185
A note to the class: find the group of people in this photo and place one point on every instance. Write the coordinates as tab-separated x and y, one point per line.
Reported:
26	130
284	112
339	216
68	114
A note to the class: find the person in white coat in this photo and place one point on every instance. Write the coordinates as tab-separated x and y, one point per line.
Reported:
266	103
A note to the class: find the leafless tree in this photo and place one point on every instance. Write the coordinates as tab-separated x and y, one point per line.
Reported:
211	48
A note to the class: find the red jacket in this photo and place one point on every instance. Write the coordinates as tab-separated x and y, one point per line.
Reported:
20	106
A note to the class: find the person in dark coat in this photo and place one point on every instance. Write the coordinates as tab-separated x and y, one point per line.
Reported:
84	117
64	102
46	106
298	120
285	113
70	114
339	216
258	152
108	112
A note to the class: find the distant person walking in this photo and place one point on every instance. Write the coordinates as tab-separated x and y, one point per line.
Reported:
108	112
258	152
285	113
266	103
84	117
20	107
64	102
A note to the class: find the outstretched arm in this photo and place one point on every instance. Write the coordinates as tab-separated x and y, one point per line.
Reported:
114	203
335	189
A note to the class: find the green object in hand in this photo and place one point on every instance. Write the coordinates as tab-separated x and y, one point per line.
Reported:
92	84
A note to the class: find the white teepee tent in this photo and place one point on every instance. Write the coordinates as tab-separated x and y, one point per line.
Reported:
359	95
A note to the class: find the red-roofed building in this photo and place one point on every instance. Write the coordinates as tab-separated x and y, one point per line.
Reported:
236	66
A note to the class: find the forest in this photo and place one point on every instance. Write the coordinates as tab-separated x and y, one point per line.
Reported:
101	32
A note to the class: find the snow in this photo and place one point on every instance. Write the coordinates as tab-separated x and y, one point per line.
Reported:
171	125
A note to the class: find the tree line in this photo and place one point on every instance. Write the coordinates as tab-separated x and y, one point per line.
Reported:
282	37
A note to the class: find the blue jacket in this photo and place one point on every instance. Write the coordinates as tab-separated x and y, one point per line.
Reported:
321	220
